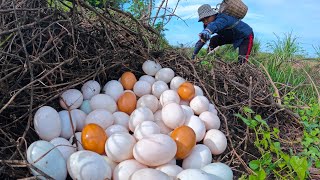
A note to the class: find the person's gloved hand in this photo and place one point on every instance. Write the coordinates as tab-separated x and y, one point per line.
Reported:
205	35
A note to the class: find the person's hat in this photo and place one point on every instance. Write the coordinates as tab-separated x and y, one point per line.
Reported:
206	11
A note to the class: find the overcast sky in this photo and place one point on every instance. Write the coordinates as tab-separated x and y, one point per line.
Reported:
268	18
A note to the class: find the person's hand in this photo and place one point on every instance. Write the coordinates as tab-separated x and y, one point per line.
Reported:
205	35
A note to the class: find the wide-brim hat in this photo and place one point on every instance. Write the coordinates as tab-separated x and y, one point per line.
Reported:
206	11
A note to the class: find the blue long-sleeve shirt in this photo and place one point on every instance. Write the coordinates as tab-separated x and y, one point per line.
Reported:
223	21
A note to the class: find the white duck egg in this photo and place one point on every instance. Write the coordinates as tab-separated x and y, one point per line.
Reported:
165	74
149	101
138	116
67	129
83	165
211	120
147	78
151	67
146	128
198	127
176	82
173	115
111	163
199	104
198	90
47	123
199	157
90	88
213	109
187	111
141	88
155	150
158	120
114	89
158	88
103	101
53	163
119	147
80	118
64	146
170	169
116	128
169	96
126	168
192	174
76	140
216	141
184	102
149	173
85	106
219	169
71	98
102	117
121	118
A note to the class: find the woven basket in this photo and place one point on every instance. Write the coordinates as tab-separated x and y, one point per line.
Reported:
234	8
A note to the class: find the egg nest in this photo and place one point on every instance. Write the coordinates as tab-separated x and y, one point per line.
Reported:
45	51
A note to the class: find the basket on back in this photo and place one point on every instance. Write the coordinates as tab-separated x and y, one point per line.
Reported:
234	8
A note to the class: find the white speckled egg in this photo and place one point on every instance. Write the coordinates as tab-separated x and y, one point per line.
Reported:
151	67
66	128
83	165
219	169
211	120
149	101
85	106
199	157
199	104
119	147
169	96
198	127
155	150
114	89
173	115
126	168
103	101
146	128
138	116
64	146
71	98
80	118
158	88
165	74
90	88
176	82
141	88
102	117
116	128
147	78
121	118
216	141
53	163
47	123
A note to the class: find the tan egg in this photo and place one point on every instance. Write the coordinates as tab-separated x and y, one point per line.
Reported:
127	102
101	117
186	91
126	168
141	88
176	82
173	115
200	156
90	88
128	79
145	129
151	67
198	127
216	141
199	104
169	96
119	147
147	78
165	74
138	116
149	101
114	89
158	88
211	120
103	101
155	150
71	98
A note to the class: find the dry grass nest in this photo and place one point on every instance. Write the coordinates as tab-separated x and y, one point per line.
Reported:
45	51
